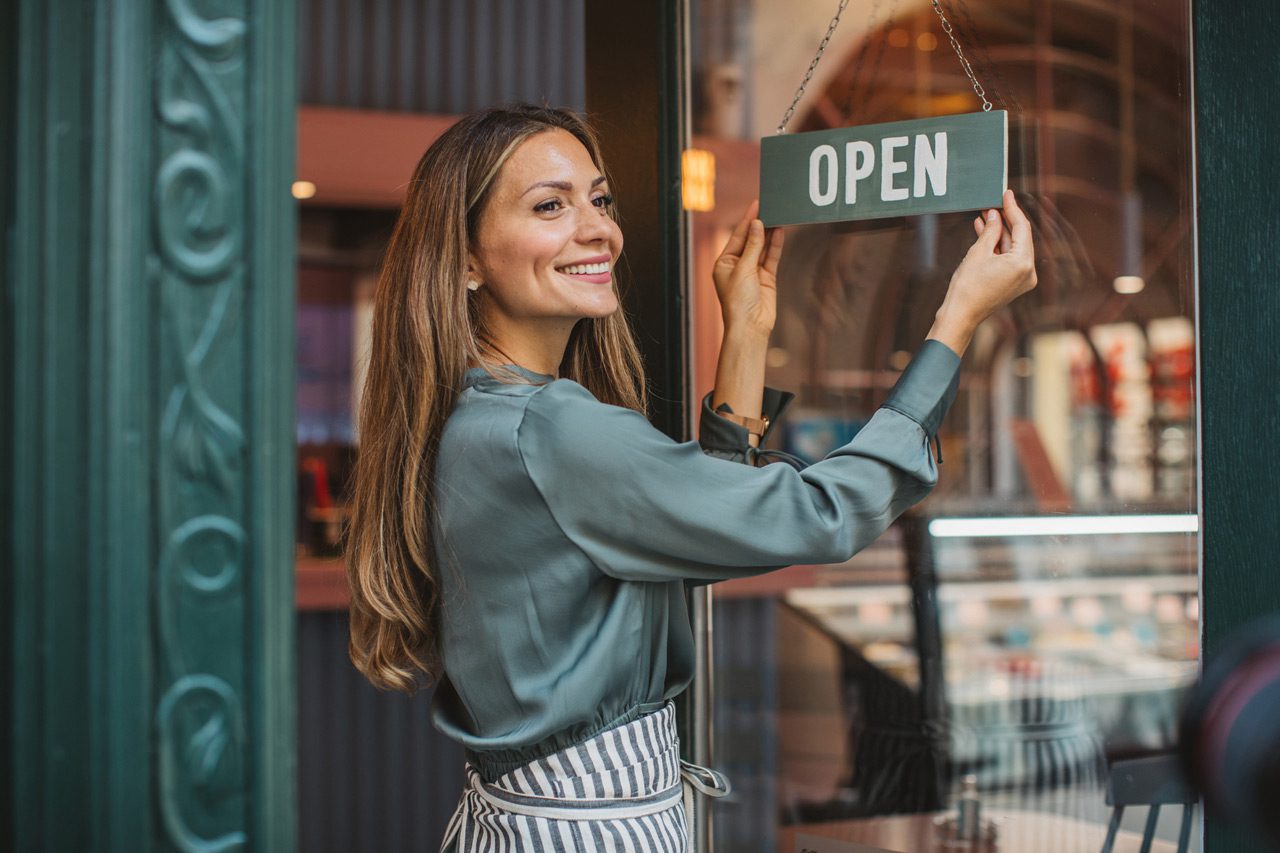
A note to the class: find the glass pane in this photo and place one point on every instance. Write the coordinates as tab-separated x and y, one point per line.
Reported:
1034	621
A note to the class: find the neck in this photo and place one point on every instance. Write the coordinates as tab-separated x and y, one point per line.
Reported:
534	345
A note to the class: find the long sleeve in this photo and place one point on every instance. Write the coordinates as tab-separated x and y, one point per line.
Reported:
643	507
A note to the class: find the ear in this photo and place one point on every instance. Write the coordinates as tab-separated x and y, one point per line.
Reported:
472	269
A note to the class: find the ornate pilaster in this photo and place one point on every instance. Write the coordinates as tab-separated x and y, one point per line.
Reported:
197	270
151	451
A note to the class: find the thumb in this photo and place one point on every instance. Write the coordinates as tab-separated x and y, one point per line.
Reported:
755	242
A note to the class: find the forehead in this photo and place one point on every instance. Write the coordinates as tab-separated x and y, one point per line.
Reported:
550	155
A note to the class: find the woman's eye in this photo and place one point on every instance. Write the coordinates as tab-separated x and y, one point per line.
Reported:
549	206
602	200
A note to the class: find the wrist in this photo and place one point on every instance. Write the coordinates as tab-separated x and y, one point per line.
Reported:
744	333
953	328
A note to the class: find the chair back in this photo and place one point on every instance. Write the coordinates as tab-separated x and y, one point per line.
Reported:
1153	782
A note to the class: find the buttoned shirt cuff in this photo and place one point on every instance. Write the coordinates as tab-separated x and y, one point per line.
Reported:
725	439
927	388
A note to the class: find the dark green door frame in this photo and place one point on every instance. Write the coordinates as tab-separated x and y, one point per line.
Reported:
147	461
1237	64
636	79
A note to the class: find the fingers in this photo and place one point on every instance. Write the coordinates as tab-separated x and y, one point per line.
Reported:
773	252
755	244
978	225
1019	223
738	239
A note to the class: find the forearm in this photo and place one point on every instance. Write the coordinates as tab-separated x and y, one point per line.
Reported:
740	373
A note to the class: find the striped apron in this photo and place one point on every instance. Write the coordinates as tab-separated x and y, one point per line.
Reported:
625	789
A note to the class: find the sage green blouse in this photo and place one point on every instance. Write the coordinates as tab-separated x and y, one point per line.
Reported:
568	529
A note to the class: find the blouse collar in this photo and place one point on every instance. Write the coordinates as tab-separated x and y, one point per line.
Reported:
478	375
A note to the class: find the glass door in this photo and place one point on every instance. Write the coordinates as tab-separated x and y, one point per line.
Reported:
1035	621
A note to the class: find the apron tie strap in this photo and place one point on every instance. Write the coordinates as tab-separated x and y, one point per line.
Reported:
701	780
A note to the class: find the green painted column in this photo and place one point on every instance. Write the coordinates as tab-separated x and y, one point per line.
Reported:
1238	225
148	425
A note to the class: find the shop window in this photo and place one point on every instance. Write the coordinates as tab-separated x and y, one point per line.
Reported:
1036	619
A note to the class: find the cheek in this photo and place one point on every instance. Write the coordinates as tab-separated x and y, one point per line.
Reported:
511	261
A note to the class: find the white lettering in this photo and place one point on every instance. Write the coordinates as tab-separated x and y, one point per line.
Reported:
818	194
931	162
859	162
890	167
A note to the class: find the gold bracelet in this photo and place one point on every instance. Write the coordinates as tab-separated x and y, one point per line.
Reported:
756	426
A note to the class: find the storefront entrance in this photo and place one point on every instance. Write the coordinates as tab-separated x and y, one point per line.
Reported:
1103	524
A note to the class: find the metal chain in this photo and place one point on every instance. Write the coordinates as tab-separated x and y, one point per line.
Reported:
964	63
808	75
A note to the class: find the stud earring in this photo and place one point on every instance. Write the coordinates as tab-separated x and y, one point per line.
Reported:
473	285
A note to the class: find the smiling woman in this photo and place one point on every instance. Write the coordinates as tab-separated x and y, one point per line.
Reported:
544	251
522	534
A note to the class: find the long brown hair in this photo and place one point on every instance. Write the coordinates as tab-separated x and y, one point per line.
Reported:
427	329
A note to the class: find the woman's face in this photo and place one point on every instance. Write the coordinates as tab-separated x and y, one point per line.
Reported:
545	245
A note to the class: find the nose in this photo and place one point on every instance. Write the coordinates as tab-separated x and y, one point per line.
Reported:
595	226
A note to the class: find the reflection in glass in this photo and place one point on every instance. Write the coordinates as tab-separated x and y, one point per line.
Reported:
854	700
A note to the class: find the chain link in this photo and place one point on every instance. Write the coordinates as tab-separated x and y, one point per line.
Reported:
826	39
964	63
808	75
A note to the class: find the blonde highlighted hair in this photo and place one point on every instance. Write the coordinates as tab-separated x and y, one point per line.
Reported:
427	329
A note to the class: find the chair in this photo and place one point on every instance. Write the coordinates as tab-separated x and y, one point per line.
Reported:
1152	782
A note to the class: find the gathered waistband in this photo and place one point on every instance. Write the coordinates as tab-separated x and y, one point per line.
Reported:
493	763
640	758
626	783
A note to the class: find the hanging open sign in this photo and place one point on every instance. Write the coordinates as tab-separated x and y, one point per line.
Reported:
902	168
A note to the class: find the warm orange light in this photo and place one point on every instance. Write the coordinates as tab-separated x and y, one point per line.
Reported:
303	189
1128	284
927	41
698	179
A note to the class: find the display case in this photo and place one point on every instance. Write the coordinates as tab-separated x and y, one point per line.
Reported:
1051	643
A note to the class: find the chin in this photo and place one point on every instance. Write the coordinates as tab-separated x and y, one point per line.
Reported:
598	312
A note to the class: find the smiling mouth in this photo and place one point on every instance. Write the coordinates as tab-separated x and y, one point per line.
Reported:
586	269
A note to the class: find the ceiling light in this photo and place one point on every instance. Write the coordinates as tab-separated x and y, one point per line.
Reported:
1128	284
1062	525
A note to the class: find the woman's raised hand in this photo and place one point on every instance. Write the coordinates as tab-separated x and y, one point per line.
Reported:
746	276
999	267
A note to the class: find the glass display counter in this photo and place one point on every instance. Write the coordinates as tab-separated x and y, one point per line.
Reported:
1045	635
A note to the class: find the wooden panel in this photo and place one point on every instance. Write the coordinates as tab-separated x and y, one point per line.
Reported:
373	773
1238	222
321	584
362	158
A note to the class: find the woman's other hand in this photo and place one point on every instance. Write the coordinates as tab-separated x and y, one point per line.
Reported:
746	277
999	267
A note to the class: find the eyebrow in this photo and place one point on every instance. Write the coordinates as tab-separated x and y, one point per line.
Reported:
560	185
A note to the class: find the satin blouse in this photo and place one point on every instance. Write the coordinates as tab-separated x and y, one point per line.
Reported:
567	530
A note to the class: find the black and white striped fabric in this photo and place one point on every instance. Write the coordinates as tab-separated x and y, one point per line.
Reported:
623	790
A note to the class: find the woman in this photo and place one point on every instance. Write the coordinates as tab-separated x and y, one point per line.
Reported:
522	534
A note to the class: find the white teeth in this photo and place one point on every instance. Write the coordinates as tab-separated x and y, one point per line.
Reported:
586	269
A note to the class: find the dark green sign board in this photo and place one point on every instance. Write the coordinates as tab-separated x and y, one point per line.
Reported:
902	168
